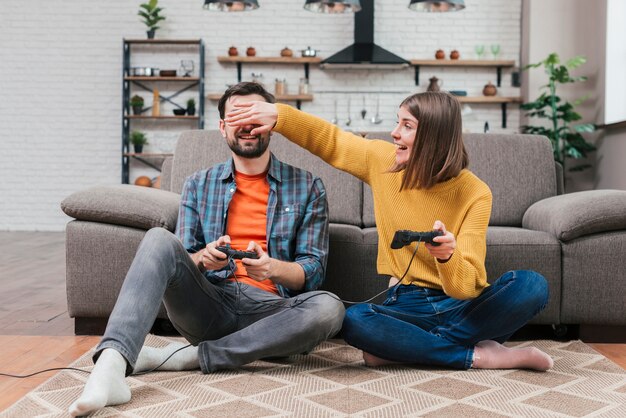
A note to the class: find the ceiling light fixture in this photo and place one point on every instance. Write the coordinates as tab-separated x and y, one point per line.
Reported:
230	5
436	6
332	7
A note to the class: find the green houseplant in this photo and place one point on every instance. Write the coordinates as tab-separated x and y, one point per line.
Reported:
138	139
136	102
566	137
191	107
150	12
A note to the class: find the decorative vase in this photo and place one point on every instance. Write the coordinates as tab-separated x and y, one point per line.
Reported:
286	52
151	33
440	54
232	51
251	52
435	84
490	90
454	55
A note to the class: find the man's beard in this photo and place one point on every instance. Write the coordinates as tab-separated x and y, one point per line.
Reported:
254	150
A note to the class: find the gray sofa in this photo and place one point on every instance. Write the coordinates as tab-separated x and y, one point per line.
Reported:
577	241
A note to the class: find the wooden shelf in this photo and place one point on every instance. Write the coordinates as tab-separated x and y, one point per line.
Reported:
162	117
157	78
148	154
488	99
280	98
497	64
463	63
164	41
270	60
503	101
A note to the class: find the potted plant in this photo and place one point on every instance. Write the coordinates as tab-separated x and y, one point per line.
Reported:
138	139
150	14
191	107
136	102
566	138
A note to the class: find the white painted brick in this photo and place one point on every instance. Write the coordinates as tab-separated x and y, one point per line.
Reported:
60	60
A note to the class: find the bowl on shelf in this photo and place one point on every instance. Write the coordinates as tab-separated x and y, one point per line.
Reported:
167	73
179	112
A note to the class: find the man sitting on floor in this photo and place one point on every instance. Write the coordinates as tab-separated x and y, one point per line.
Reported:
232	312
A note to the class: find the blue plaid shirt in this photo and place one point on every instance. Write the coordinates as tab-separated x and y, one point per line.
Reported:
297	217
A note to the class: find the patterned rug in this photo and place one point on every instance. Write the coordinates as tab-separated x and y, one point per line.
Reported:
333	382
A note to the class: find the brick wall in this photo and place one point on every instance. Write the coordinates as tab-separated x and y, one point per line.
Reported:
60	80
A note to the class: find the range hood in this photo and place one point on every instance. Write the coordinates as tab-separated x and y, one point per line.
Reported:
364	53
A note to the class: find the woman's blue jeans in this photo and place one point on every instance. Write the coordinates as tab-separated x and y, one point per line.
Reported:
421	325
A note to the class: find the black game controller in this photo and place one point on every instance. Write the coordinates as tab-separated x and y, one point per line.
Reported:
405	237
236	254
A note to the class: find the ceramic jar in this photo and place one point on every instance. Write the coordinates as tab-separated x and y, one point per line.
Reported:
251	52
232	51
440	54
454	55
286	52
490	90
435	84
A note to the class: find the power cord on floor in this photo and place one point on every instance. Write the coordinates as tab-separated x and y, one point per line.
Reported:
88	372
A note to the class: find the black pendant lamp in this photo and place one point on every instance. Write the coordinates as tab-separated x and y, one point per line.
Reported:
230	5
436	6
329	6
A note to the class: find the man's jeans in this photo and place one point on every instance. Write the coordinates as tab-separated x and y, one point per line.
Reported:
232	323
421	325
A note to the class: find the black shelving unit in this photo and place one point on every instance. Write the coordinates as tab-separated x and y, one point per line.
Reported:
130	82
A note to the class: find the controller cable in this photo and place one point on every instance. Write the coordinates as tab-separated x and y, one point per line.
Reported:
349	302
88	372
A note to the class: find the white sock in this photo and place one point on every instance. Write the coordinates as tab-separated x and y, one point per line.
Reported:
106	385
151	357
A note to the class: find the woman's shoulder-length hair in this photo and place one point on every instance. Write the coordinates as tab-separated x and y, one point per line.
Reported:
438	153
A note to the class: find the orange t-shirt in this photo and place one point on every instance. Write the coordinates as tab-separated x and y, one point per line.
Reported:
247	221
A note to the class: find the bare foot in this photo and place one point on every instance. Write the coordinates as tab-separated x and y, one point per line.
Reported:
373	361
493	355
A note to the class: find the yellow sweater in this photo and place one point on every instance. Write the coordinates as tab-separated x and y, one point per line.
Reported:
462	203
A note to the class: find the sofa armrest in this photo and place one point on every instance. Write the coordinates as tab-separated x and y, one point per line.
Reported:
127	205
574	215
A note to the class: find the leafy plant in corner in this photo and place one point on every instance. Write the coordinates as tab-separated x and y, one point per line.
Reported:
566	138
191	107
150	14
138	139
136	102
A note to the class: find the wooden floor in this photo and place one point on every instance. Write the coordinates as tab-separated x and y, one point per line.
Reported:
35	330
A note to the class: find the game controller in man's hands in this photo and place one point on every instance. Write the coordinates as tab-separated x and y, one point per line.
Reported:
405	237
236	254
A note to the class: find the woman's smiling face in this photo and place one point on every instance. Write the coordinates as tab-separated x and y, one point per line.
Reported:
404	135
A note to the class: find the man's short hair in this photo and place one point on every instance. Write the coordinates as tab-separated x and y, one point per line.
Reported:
245	88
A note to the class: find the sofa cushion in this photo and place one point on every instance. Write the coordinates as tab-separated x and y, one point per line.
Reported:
196	150
134	206
351	273
519	170
574	215
510	248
